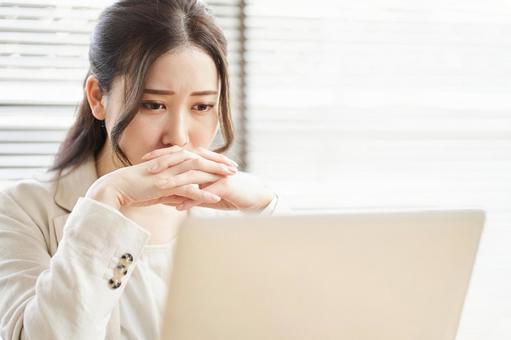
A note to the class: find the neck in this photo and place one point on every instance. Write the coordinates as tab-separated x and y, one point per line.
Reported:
105	161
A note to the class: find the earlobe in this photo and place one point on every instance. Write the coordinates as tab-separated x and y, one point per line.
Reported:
94	97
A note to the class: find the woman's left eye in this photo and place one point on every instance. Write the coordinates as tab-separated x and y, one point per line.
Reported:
153	106
202	107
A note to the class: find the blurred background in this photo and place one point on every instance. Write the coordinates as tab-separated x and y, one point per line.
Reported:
341	105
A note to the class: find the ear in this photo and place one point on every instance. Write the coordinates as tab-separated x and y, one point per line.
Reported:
95	97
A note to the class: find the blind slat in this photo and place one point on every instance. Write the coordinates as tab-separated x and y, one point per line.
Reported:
43	60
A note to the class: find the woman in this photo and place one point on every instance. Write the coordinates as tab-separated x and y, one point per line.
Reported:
130	169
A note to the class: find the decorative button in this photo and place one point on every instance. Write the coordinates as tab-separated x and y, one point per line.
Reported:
114	284
126	259
122	269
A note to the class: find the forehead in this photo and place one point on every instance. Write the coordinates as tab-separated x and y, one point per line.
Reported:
183	69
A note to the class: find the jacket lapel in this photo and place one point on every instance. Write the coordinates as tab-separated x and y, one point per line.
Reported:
58	224
69	188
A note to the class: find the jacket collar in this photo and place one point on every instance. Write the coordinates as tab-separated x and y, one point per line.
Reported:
74	184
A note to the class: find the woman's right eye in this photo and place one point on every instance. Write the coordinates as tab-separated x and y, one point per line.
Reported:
153	106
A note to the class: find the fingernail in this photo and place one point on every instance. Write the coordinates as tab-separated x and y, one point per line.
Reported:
232	169
234	163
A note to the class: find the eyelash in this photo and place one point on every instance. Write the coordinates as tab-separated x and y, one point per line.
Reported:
148	106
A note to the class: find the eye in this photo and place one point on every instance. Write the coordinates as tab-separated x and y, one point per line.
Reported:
203	107
153	106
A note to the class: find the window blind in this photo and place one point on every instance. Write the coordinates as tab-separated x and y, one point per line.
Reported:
43	60
389	105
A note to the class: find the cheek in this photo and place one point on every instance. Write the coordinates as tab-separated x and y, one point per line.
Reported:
203	132
139	136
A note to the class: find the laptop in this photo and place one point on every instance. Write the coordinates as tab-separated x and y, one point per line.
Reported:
355	276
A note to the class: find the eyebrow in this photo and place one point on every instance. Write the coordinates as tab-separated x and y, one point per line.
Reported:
170	93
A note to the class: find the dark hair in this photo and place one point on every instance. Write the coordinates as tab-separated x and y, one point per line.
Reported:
128	38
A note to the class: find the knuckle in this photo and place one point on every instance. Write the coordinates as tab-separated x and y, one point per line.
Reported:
190	190
161	181
171	182
184	154
191	154
156	163
197	162
203	163
206	195
194	173
166	157
170	158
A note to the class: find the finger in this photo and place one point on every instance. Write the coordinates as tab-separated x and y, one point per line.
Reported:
173	200
188	204
214	188
168	183
214	156
211	155
159	152
205	165
192	192
168	160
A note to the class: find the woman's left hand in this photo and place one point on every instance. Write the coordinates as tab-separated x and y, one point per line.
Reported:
241	191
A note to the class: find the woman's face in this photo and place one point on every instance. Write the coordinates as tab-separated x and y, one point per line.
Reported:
179	105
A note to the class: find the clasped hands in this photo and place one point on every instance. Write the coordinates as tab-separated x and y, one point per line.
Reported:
183	178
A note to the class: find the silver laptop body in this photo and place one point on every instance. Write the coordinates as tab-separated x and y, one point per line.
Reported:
362	276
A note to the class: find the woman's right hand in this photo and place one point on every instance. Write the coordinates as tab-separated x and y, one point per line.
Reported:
145	184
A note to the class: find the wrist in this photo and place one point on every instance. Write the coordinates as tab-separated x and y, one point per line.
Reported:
265	201
104	195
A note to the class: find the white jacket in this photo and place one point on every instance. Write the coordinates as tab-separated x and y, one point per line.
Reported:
58	252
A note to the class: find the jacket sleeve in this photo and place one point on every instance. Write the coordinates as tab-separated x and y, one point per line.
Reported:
276	207
69	295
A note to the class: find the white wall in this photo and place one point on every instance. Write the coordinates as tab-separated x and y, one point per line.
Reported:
390	104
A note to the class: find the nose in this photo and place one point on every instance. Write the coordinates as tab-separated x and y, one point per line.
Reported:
175	129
